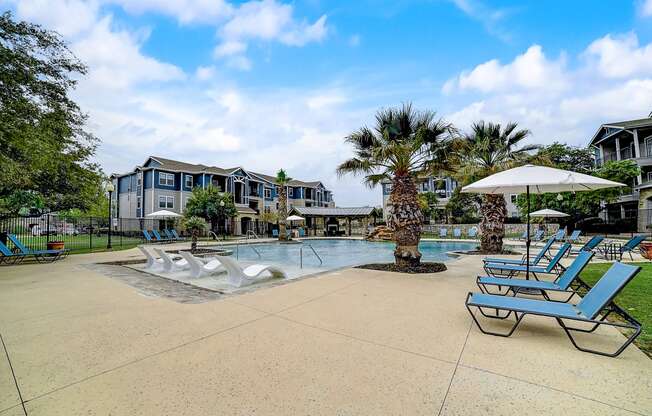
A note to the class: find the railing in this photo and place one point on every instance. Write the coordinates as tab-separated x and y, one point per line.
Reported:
237	250
251	234
313	250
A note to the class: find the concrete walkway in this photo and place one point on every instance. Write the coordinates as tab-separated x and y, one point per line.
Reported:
347	343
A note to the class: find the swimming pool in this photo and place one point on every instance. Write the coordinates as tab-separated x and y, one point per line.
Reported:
299	259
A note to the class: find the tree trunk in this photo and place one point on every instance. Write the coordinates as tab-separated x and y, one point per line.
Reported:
405	219
282	213
492	223
193	244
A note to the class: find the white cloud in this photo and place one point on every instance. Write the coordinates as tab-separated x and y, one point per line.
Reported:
531	70
69	17
536	91
646	8
268	21
621	56
204	73
186	11
489	17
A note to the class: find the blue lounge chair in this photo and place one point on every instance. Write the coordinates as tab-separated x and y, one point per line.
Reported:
148	237
443	232
473	232
523	236
628	247
574	237
457	233
590	245
158	236
569	279
560	235
8	256
593	309
176	235
535	261
538	235
302	232
41	256
275	233
509	270
169	235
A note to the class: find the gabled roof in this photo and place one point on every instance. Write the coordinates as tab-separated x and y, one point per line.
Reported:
619	127
335	212
175	165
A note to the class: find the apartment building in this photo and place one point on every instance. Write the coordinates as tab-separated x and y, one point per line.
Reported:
628	140
161	183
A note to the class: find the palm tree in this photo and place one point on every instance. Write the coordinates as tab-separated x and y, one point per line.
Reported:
282	181
489	149
403	145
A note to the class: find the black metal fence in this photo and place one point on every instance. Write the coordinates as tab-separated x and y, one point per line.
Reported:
78	234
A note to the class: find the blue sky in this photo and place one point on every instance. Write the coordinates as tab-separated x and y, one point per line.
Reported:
270	84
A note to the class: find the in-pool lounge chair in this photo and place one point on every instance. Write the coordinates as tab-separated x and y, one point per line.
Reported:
171	265
592	310
568	282
199	268
543	253
443	232
42	256
237	276
153	263
509	270
590	245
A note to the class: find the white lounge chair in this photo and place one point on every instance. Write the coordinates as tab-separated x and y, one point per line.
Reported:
198	268
170	265
152	262
237	276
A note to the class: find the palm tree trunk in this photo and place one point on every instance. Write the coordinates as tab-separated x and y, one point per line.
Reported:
282	213
492	223
405	220
193	245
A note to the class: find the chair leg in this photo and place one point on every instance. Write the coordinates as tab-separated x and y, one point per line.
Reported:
629	340
499	334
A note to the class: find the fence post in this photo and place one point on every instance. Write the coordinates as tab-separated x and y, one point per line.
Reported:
90	234
121	232
47	229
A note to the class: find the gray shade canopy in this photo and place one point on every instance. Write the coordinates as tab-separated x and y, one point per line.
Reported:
539	180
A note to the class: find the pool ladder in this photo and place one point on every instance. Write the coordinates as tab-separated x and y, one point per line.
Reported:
313	250
237	250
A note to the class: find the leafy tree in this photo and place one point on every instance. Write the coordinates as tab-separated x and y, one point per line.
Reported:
563	156
210	204
45	153
427	203
195	225
282	180
462	208
403	145
488	149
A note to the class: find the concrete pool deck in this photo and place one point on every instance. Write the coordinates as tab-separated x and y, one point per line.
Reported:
344	342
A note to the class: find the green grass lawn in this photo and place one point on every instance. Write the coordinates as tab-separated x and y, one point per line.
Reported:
636	298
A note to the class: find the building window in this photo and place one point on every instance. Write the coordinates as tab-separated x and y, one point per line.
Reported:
513	198
291	192
268	193
138	202
188	179
166	179
648	146
649	177
166	201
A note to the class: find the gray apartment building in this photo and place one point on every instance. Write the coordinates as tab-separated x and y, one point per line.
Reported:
161	183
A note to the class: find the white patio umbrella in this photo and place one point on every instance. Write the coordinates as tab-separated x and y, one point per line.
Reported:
163	214
548	213
295	218
540	180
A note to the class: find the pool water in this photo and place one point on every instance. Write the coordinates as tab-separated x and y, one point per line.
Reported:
299	259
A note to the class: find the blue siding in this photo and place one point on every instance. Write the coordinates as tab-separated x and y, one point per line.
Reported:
126	184
151	163
175	187
147	179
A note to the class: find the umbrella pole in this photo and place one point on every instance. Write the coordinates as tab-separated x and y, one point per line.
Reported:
527	242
